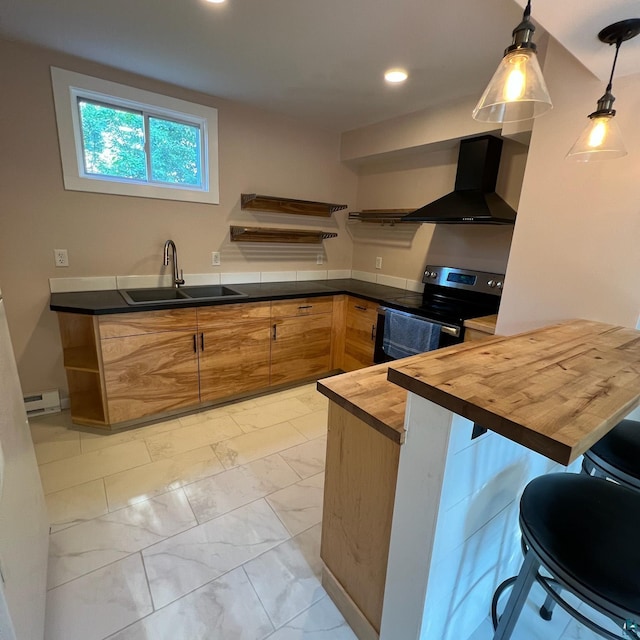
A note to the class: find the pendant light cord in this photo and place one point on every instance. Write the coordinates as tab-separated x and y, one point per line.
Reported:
613	68
527	12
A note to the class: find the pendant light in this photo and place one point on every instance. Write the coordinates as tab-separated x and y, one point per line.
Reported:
517	90
601	138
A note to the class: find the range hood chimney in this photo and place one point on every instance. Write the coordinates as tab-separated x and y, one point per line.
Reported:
474	200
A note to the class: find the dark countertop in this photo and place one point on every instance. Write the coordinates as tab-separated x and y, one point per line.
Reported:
110	301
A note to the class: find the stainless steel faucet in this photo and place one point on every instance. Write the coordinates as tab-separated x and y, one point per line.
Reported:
177	279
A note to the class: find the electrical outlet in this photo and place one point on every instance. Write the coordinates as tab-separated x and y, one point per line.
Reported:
215	258
378	262
61	257
319	259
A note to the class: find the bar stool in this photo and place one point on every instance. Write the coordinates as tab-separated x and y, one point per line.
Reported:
583	531
615	456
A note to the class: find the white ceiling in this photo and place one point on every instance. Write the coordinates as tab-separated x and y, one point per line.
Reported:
318	61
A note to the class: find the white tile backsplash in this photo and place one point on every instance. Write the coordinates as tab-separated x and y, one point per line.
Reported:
194	279
240	277
311	275
415	285
143	282
364	275
338	274
101	283
278	276
58	285
391	281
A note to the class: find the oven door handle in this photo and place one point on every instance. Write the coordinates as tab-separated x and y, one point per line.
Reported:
451	330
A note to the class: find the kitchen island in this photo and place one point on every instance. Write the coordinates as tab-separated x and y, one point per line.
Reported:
545	397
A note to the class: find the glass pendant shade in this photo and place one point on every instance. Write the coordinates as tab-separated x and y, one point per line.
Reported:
601	139
516	92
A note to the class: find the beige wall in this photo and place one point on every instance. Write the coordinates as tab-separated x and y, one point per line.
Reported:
450	121
413	180
575	245
119	235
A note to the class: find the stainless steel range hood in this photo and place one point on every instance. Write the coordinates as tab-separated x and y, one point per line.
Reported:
474	200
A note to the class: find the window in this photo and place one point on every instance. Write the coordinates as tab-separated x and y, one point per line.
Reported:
122	140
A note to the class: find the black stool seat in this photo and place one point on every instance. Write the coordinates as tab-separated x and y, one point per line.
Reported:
589	530
619	449
584	531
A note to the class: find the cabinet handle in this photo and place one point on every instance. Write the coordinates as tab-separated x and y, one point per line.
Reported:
305	306
202	341
195	343
275	331
373	332
357	306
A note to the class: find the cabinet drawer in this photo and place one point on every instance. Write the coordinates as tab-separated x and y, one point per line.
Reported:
131	324
301	306
358	308
233	313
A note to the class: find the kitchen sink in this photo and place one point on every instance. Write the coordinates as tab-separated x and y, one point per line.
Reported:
211	292
169	294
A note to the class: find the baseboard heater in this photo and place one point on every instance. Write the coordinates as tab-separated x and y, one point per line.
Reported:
42	402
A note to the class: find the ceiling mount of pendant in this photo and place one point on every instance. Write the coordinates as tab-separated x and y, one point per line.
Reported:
620	31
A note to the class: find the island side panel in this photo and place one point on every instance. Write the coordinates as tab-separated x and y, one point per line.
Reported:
455	532
418	489
359	494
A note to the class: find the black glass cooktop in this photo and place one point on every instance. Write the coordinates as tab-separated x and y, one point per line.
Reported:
446	309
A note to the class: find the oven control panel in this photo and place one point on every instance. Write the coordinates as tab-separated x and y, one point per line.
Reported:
481	281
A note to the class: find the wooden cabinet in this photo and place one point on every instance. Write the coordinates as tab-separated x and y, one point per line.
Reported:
480	328
360	333
150	363
234	344
123	368
301	338
359	495
82	362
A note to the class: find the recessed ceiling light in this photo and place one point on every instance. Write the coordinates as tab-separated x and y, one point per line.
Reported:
216	1
396	75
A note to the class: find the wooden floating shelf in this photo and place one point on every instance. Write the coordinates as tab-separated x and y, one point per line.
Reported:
261	234
255	202
381	216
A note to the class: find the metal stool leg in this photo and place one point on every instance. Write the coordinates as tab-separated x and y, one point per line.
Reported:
518	597
546	610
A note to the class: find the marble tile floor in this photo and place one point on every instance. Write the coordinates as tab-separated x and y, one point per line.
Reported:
201	527
205	527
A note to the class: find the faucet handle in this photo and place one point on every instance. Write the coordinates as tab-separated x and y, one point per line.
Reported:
181	280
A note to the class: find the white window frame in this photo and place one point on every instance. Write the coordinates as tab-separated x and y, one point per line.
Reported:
68	86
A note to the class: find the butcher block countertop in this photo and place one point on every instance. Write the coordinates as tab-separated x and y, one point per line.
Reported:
555	390
486	324
367	394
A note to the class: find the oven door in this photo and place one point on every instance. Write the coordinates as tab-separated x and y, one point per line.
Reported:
449	334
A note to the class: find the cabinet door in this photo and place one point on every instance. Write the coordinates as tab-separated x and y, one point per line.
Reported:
234	358
300	347
150	373
360	335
